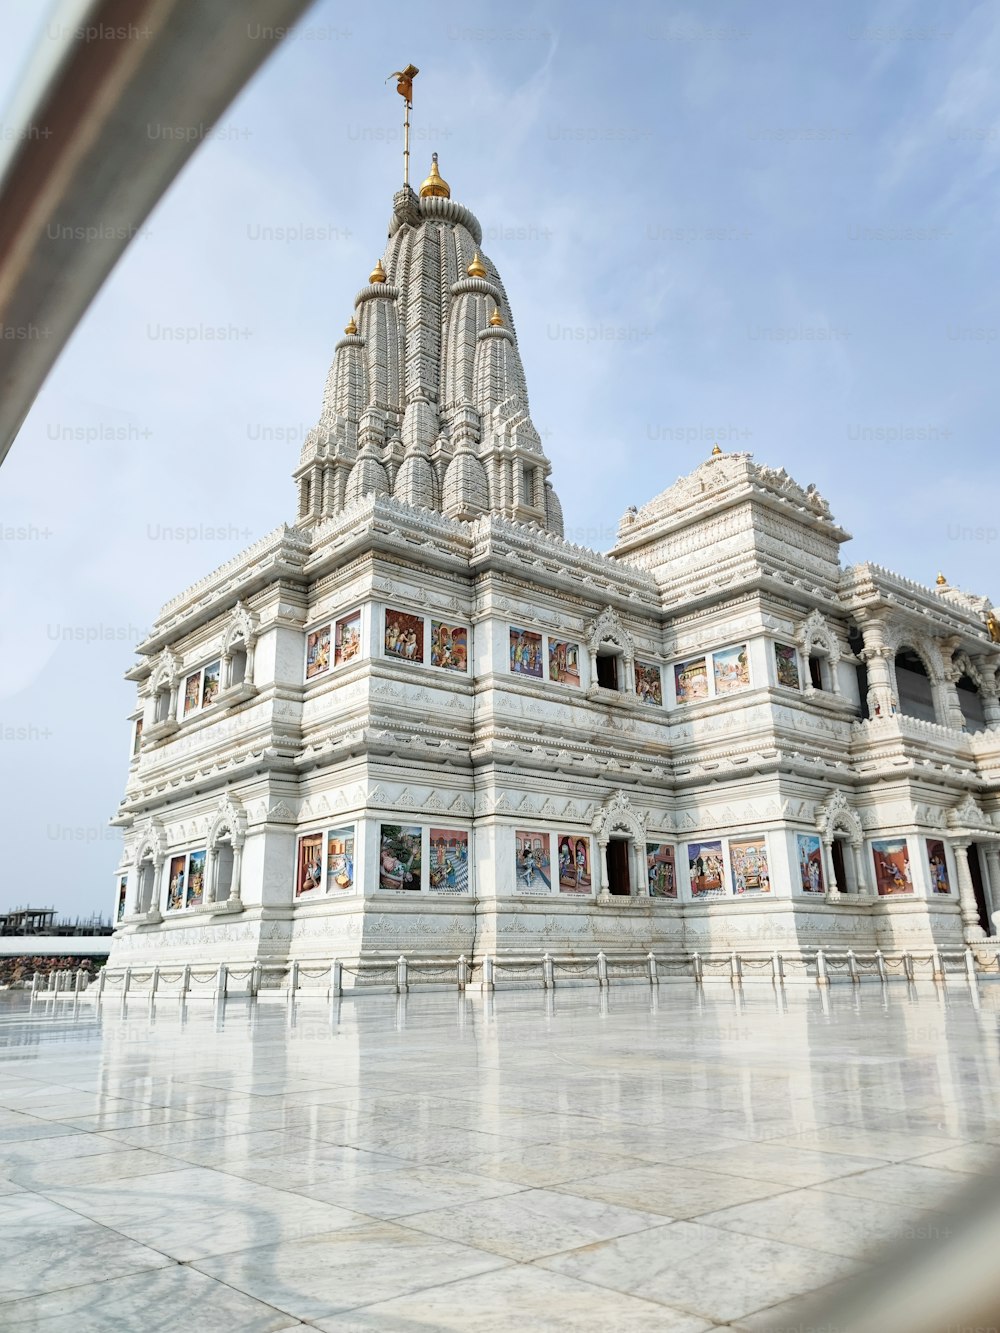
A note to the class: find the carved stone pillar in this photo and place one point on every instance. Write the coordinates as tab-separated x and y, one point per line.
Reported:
832	887
137	889
992	856
971	929
876	656
988	693
857	848
628	665
602	862
250	647
949	709
234	890
593	667
211	869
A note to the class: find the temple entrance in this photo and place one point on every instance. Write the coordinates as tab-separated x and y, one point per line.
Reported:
619	879
982	905
840	865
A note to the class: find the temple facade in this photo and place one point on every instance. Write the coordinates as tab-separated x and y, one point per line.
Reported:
419	721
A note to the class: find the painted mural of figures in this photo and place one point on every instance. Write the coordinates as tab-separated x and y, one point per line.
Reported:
399	858
532	863
449	860
317	652
661	870
706	867
347	639
732	669
404	636
892	866
525	652
449	646
648	684
940	883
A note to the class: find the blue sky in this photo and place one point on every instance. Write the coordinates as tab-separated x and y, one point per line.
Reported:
774	226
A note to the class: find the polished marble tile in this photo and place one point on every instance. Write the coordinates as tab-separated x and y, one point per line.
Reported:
704	1270
45	1246
533	1223
779	1164
515	1298
325	1274
676	1191
258	1137
851	1226
971	1158
196	1212
168	1300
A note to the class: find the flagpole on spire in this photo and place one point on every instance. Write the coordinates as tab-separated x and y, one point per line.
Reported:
404	86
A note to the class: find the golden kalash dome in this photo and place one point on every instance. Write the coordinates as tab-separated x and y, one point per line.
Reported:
477	269
434	186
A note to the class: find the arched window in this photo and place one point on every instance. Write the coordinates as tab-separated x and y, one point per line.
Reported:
971	702
914	689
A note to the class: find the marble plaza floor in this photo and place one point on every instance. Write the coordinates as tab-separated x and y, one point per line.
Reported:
671	1160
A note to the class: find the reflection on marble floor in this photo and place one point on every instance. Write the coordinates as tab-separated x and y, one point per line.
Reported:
662	1160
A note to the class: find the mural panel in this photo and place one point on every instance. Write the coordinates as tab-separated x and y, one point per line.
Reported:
309	871
525	652
340	860
574	863
786	659
564	662
938	863
449	865
449	646
347	639
210	689
691	680
534	868
732	669
748	862
176	882
810	851
404	636
661	870
706	866
192	692
196	879
648	684
892	866
318	652
399	864
122	897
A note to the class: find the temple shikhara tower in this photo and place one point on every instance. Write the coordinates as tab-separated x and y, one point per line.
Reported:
418	721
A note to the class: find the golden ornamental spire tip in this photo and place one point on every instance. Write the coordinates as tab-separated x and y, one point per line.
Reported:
377	274
477	269
496	319
716	451
942	582
434	186
350	327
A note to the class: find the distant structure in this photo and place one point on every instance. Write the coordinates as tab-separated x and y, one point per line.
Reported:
421	721
42	921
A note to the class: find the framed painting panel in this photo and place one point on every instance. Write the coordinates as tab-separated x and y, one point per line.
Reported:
937	863
309	864
347	639
892	866
661	870
449	860
573	851
399	866
810	857
706	867
340	860
749	865
731	668
317	652
691	680
532	861
648	683
449	646
525	652
404	636
564	662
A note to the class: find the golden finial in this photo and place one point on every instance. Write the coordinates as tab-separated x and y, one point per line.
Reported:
716	451
477	269
496	319
377	274
434	186
350	327
942	582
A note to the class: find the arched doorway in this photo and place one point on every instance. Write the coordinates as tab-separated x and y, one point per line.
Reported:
621	839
